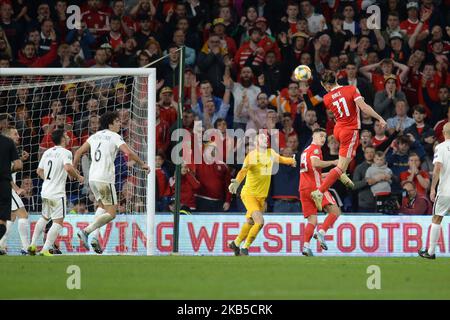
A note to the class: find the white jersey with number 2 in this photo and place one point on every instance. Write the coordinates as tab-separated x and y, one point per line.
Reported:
55	176
104	147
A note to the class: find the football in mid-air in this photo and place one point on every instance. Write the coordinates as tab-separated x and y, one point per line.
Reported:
302	73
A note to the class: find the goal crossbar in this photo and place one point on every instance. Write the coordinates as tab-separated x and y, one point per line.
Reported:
77	71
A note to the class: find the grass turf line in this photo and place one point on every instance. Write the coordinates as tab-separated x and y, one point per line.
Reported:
186	277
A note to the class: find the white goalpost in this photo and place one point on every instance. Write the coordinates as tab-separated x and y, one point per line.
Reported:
42	99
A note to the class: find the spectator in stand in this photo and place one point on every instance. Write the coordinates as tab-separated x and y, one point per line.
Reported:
226	42
387	67
305	126
382	177
409	25
85	39
244	94
210	112
48	123
211	62
367	123
258	117
419	129
29	197
189	187
365	198
380	135
127	57
349	19
438	110
214	177
365	139
179	39
114	37
28	56
401	121
162	184
439	127
13	29
397	156
168	106
363	86
430	82
162	133
413	203
285	186
169	70
316	21
127	24
60	123
95	18
287	130
145	31
46	39
93	125
250	53
420	178
272	73
386	100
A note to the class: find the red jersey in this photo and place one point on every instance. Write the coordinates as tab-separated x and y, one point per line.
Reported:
420	190
47	141
378	82
376	142
310	177
341	101
410	26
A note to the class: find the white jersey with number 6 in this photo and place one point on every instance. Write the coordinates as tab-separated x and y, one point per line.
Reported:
55	176
104	147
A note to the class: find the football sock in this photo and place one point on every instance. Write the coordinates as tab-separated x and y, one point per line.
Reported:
40	225
24	227
434	236
2	230
99	222
51	236
329	220
309	231
5	236
331	178
98	213
254	230
242	234
306	245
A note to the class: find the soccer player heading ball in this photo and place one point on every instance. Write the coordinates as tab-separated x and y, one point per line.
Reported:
345	102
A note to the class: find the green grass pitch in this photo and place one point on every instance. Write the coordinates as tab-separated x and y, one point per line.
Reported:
186	277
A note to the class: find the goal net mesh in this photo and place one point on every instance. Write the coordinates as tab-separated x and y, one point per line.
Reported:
37	105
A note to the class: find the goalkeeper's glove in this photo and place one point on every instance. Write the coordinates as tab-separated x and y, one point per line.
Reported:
234	185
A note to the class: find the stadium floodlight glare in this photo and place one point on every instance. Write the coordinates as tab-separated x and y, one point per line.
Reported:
38	88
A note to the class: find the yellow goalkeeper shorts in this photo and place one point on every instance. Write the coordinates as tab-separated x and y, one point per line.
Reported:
253	204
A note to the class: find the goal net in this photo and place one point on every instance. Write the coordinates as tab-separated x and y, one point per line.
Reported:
42	100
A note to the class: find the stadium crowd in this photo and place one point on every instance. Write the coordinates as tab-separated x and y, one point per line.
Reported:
239	57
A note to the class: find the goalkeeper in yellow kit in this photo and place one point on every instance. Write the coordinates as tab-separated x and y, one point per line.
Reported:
257	169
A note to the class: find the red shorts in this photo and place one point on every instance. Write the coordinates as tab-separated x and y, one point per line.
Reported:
308	206
348	141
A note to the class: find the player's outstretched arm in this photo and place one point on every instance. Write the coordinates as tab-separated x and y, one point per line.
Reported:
40	173
73	173
284	160
369	111
133	156
435	180
79	153
317	163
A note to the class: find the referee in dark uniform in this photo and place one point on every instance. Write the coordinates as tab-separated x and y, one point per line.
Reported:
8	155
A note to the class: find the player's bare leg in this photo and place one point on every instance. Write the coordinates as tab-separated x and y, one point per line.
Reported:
336	173
38	229
333	213
309	231
253	232
242	236
4	239
434	237
51	237
108	215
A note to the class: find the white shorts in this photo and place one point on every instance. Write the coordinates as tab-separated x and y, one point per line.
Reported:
54	208
104	192
16	202
441	205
